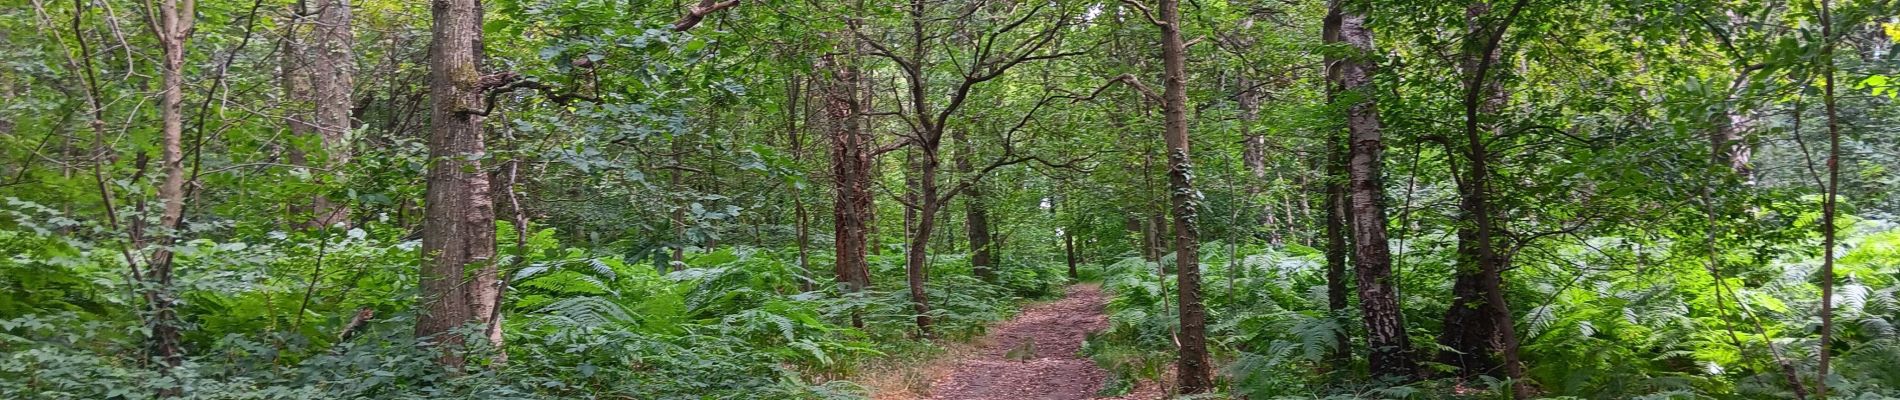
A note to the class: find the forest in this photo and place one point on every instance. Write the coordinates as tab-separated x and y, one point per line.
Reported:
949	199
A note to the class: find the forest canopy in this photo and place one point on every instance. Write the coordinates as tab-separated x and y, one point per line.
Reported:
727	199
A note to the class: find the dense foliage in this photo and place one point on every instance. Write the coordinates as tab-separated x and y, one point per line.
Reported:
676	200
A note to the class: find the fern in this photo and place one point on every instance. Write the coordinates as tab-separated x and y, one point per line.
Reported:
586	312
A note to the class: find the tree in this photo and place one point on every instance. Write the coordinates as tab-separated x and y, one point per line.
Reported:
995	55
1193	366
459	276
1390	348
975	214
851	164
319	73
1479	324
1828	200
172	22
1336	202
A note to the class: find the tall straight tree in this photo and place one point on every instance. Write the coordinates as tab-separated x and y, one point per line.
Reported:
318	75
1389	348
1193	367
975	214
851	158
1828	206
1254	156
1336	201
458	230
172	22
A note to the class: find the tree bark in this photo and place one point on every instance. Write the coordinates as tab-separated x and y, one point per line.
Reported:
1728	145
976	215
1068	249
1336	202
1470	339
851	171
458	235
333	76
174	22
1828	200
1193	367
1479	309
917	253
295	78
800	217
1254	156
318	74
1390	348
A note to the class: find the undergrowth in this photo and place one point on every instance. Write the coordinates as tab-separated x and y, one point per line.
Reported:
1626	325
730	323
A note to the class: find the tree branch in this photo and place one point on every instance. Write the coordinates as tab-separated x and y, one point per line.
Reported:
1144	12
699	13
1128	79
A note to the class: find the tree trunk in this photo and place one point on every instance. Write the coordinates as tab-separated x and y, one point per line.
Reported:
1157	232
1470	340
174	27
1068	249
333	74
850	170
1254	156
1336	202
800	217
676	179
298	116
976	215
1193	367
1828	200
1479	308
1390	348
918	253
458	233
1726	142
318	75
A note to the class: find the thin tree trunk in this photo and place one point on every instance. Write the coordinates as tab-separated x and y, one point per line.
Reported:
1483	97
676	179
917	253
1068	249
1193	366
1828	201
458	233
174	22
1336	202
800	217
1254	156
976	215
850	171
1390	348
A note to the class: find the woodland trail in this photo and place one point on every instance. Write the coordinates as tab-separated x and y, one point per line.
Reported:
1003	367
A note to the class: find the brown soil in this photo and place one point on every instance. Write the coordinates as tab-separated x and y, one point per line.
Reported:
1055	370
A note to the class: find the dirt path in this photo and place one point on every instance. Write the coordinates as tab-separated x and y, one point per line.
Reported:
1004	368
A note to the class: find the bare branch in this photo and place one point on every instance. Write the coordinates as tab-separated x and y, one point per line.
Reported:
1124	78
699	13
1144	12
893	146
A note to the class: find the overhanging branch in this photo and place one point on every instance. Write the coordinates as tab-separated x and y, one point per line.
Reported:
699	13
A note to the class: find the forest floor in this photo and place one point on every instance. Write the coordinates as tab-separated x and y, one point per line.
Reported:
1034	356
